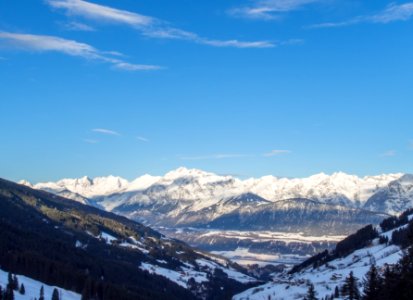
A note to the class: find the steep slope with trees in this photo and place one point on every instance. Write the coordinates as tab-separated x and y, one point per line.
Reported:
101	255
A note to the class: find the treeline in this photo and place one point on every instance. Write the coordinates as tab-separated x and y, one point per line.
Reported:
12	287
394	222
401	237
353	242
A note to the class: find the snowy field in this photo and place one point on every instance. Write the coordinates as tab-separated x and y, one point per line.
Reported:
243	256
182	277
32	288
270	236
246	254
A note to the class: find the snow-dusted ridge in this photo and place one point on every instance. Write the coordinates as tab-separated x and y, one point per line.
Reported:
205	188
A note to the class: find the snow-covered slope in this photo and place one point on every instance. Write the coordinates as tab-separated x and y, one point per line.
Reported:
32	288
329	275
326	277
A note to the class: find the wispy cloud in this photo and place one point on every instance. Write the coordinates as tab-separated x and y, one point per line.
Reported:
392	13
269	9
178	34
237	43
214	156
106	131
46	43
142	139
411	144
388	153
101	13
148	26
276	152
77	26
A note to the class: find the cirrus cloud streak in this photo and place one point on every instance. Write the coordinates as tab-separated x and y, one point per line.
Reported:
392	13
269	9
46	43
147	25
106	131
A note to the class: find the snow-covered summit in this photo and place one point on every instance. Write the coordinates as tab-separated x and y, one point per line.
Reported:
337	188
84	186
143	182
185	172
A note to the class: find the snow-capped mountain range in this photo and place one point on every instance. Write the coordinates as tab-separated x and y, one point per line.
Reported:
318	205
193	190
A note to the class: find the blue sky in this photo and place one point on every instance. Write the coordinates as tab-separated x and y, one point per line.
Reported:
250	88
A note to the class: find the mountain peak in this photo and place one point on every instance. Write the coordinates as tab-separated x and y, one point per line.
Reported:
85	180
406	178
185	172
25	182
143	182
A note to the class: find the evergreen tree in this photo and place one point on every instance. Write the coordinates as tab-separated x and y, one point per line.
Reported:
15	283
22	290
87	290
41	297
311	293
390	282
9	292
55	295
10	279
405	283
350	289
336	292
372	284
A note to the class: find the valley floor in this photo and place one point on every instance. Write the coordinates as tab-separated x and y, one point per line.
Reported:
254	247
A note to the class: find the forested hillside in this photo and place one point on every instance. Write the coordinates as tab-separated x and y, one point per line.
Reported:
101	255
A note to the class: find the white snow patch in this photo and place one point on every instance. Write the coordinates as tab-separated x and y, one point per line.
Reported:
32	288
108	238
179	277
233	274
